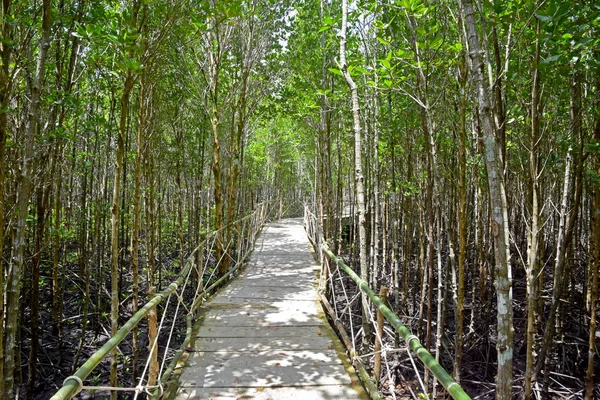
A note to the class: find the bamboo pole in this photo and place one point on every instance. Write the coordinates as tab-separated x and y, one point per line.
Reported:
412	341
378	340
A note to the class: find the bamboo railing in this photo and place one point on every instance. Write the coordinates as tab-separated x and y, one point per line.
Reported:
247	229
314	232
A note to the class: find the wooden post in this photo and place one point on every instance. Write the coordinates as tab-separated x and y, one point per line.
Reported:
152	334
380	320
325	273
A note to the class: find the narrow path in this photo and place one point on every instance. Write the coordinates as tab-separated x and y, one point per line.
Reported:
265	336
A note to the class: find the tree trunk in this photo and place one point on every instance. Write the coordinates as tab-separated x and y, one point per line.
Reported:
462	217
532	235
42	203
594	265
5	56
137	215
13	287
360	194
115	218
498	204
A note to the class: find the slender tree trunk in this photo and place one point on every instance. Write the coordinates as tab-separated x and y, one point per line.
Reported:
137	214
360	194
532	236
214	47
594	266
376	226
151	212
56	243
13	287
180	205
498	204
115	218
84	259
499	114
5	55
442	286
42	201
462	218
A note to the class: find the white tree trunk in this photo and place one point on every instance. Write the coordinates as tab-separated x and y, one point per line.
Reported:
358	174
504	344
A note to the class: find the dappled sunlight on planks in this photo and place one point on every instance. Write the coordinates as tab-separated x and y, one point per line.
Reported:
264	336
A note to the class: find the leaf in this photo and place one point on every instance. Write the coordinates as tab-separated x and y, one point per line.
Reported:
435	43
335	71
551	59
582	42
386	64
319	332
543	18
324	28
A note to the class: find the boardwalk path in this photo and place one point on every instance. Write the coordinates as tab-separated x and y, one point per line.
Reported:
264	336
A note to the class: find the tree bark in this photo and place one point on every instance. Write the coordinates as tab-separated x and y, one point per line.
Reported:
115	218
462	217
532	235
594	265
5	56
498	204
13	287
358	176
137	214
41	206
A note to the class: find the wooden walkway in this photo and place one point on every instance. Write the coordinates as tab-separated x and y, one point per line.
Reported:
265	336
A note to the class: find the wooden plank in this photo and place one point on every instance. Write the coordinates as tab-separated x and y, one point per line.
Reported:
265	376
270	292
256	344
259	317
262	332
279	393
284	358
280	302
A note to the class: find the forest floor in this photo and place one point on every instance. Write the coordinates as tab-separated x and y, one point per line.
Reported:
479	355
57	357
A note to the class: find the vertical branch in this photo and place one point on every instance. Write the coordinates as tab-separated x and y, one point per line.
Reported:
13	285
5	54
358	174
499	210
532	236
